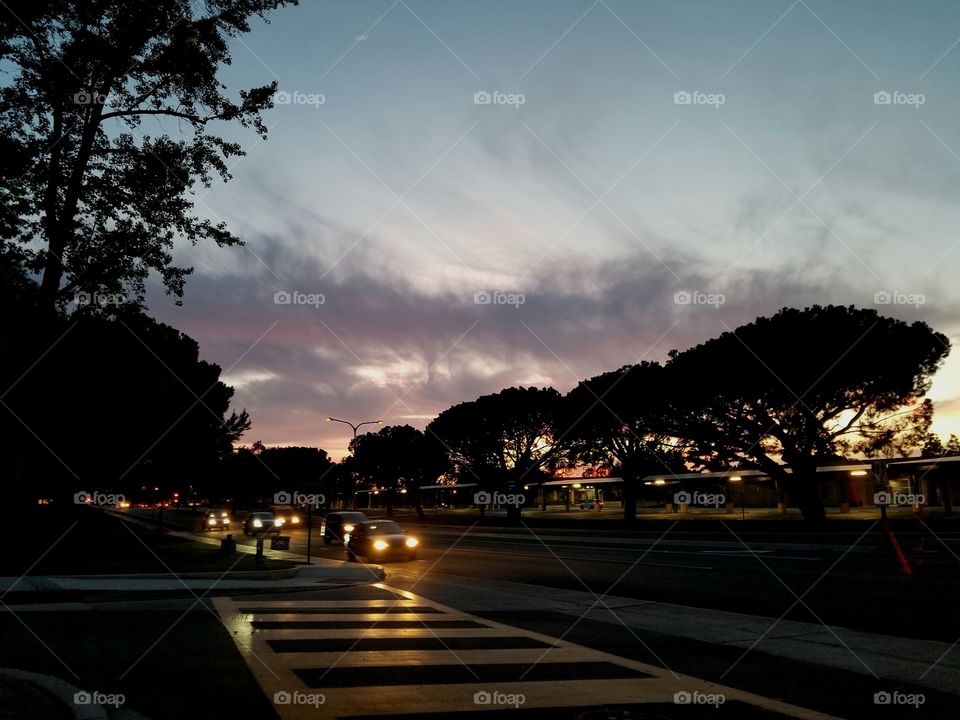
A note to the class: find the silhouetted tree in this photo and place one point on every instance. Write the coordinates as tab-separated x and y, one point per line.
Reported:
933	446
397	458
805	386
90	204
502	440
622	420
294	469
118	402
94	203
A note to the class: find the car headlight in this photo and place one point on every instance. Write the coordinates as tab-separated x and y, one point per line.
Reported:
212	521
411	542
348	528
380	545
278	521
295	519
257	523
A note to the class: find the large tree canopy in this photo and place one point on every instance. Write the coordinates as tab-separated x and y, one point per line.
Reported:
501	440
807	386
622	420
117	402
397	458
92	196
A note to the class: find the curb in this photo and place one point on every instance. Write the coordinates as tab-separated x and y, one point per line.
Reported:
60	690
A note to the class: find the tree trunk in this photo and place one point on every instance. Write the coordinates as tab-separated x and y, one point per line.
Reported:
802	489
629	501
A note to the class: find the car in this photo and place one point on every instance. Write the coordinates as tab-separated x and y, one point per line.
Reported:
591	504
259	523
289	515
339	524
381	539
216	520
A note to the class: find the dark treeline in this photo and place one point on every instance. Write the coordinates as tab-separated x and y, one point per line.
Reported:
789	392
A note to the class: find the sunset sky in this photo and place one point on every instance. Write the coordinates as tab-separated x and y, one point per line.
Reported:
817	161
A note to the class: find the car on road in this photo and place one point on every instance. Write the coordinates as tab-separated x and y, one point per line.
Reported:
289	515
381	539
591	504
258	523
216	520
340	524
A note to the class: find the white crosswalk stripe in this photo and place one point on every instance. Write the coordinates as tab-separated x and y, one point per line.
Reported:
340	658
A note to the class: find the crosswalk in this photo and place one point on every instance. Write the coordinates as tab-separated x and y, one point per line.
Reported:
403	653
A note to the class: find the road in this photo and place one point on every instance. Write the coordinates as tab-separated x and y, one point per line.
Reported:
487	604
850	579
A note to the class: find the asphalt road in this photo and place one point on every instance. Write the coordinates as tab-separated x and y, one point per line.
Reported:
177	658
852	579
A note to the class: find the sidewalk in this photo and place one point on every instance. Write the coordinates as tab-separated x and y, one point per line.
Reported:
320	572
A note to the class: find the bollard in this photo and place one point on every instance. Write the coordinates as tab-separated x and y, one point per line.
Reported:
228	546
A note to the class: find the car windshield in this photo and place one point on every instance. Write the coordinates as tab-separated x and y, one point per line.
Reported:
351	517
386	527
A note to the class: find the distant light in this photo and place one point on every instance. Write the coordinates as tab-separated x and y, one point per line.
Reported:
526	487
659	481
858	473
576	485
734	478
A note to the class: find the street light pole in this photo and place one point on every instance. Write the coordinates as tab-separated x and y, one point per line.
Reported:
354	428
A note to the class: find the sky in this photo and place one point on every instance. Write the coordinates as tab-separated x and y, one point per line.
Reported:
458	197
